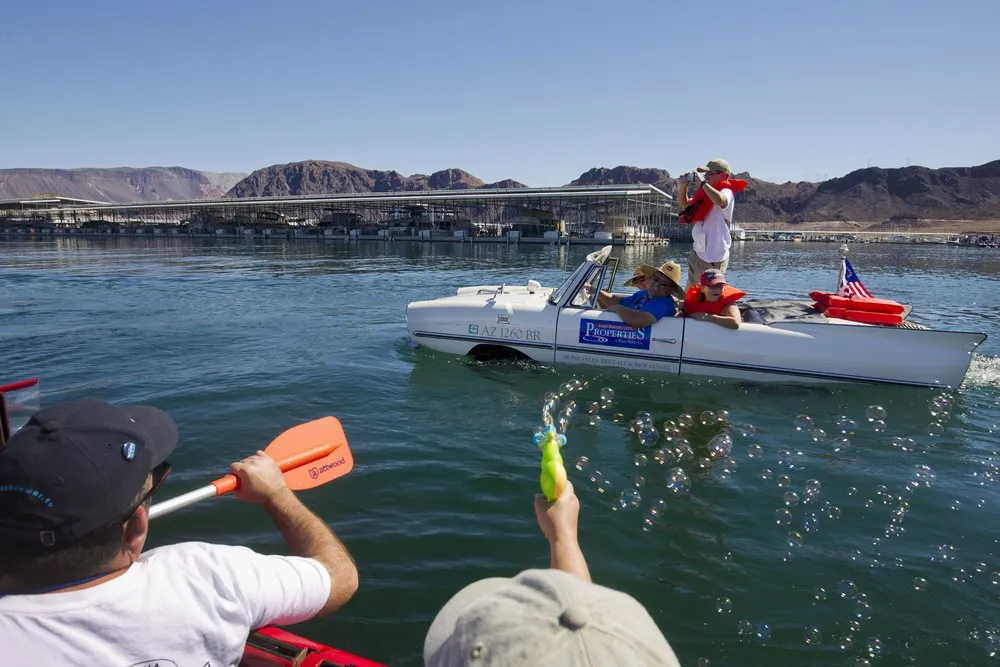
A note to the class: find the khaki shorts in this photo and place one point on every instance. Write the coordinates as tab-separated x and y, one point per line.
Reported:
698	266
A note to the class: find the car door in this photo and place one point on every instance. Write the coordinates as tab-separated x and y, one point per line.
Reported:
587	335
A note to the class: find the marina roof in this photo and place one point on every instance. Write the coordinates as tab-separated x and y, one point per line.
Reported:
481	195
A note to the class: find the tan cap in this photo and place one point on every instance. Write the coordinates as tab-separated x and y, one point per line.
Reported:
717	164
544	617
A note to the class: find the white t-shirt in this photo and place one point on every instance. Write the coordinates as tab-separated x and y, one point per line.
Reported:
712	238
184	605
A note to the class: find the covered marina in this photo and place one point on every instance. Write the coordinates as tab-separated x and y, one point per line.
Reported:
616	214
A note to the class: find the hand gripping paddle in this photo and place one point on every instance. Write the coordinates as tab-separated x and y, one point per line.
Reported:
309	455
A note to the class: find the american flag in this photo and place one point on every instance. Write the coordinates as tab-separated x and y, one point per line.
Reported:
851	284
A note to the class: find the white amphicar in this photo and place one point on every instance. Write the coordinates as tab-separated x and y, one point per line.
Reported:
777	341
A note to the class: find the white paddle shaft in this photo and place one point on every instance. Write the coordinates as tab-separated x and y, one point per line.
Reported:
183	500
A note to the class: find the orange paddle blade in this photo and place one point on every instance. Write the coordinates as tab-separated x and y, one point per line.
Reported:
309	455
297	446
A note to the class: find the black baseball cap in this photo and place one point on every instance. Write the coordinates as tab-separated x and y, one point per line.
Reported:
76	467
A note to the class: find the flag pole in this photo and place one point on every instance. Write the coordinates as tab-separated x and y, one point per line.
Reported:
842	278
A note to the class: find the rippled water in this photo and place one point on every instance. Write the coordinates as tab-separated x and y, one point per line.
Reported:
793	541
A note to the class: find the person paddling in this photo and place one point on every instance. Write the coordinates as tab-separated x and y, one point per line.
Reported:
712	300
710	211
76	586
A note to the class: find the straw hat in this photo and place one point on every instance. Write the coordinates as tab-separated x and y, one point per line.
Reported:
671	270
643	271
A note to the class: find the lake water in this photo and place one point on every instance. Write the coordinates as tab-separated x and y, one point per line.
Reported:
887	551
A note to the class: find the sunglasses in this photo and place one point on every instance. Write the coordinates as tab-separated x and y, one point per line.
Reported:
159	474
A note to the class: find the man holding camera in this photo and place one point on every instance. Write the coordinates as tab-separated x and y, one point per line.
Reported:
710	211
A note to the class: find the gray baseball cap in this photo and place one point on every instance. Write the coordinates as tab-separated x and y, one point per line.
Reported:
544	617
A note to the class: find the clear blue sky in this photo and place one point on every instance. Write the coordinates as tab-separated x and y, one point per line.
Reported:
535	91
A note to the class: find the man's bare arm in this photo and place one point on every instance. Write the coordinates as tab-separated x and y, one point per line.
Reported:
305	533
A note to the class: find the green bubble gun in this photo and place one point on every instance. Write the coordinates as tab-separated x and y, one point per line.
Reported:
553	473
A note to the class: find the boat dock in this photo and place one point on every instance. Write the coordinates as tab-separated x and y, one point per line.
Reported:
571	215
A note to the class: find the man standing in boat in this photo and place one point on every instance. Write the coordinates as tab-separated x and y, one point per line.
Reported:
710	211
76	588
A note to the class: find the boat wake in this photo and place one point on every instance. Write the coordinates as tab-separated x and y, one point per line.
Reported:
984	372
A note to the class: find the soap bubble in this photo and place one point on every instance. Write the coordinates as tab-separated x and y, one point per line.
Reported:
657	508
607	394
840	444
594	420
639	481
863	611
604	486
678	482
813	636
920	584
784	481
925	474
804	423
873	646
875	413
956	505
812	491
766	473
683	449
704	662
935	429
723	605
754	451
582	463
744	628
831	511
783	517
664	456
763	632
847	643
811	522
795	540
649	436
846	425
847	589
596	476
618	418
720	446
685	421
569	409
640	460
818	435
878	425
629	499
593	407
707	417
791	498
819	593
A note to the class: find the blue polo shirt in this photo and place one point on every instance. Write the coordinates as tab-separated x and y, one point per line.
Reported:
660	307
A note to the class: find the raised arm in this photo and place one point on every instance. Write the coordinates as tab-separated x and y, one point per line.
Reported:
558	522
305	533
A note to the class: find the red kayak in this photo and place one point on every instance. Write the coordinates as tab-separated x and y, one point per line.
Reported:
267	647
270	647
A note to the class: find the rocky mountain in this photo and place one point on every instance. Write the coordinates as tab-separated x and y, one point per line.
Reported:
118	185
864	195
313	177
871	195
